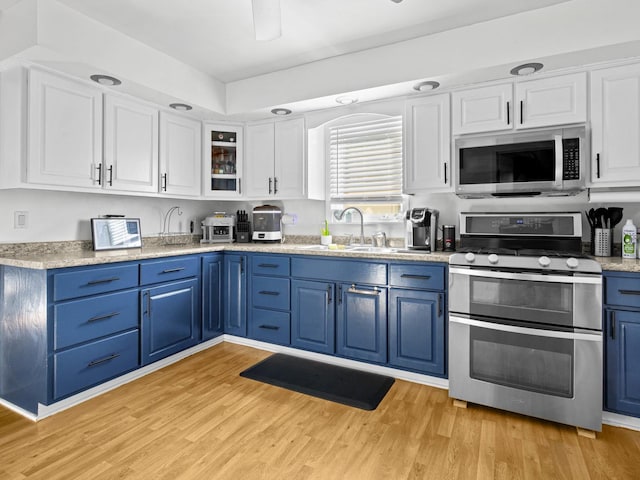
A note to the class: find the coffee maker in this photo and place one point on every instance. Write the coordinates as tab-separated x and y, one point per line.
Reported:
422	229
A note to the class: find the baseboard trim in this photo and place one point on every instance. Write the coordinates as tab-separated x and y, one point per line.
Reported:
624	421
20	411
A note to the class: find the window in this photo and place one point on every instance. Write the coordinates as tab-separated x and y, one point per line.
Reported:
365	167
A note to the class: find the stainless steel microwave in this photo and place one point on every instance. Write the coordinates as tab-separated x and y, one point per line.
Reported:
542	162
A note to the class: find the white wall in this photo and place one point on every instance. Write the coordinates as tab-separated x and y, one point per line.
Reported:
58	216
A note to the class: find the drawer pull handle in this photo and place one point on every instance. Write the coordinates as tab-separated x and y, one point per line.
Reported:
103	317
104	280
267	292
173	270
103	360
415	277
629	292
268	265
373	292
269	327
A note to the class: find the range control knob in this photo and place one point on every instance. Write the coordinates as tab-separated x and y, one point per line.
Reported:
470	257
572	262
493	258
544	261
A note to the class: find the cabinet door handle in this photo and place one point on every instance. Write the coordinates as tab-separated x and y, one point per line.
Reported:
104	280
508	113
329	294
375	292
103	317
613	325
415	277
629	292
241	265
99	168
597	165
445	172
269	327
269	185
172	270
439	305
146	301
267	292
521	112
239	186
93	363
110	175
268	265
275	185
164	182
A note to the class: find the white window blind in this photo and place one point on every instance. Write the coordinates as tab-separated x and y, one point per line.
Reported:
366	160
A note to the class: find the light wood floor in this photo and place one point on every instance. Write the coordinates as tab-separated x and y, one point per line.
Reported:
198	419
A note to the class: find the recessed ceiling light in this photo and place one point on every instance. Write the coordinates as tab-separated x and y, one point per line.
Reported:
346	100
281	111
426	86
526	69
183	107
105	80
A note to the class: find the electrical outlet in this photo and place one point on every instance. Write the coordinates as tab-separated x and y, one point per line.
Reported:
21	219
290	218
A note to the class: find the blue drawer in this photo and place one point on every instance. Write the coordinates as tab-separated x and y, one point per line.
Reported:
93	280
623	291
343	270
270	326
270	292
85	366
168	270
79	321
427	277
277	265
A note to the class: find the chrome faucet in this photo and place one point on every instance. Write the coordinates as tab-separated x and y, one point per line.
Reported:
341	214
167	219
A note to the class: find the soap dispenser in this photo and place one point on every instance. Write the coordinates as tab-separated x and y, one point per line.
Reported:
629	240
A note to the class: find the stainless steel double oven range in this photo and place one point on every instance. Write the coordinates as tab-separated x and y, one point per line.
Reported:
525	317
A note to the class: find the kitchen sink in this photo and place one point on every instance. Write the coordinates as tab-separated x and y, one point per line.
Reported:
367	249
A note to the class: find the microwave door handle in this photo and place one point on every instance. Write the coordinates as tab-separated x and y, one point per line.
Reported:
559	163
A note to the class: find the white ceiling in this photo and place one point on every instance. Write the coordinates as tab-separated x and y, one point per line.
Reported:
216	36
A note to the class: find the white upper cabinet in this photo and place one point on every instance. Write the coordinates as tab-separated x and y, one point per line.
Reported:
276	160
537	103
427	152
64	132
180	155
551	101
130	145
222	161
615	126
483	109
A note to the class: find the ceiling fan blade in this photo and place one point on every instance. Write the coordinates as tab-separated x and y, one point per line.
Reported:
266	19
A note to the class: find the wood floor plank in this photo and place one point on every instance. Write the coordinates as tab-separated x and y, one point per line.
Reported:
198	419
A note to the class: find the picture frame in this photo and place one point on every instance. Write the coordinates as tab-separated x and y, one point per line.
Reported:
115	233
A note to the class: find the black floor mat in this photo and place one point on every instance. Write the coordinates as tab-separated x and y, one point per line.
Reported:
339	384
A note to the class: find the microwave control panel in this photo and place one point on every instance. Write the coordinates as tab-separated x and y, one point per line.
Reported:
571	159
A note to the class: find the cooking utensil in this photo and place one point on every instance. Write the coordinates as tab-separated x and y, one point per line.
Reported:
599	217
589	219
615	216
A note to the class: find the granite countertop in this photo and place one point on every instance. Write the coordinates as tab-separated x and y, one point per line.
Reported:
55	255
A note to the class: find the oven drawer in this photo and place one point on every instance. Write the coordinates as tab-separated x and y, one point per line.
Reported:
417	276
623	291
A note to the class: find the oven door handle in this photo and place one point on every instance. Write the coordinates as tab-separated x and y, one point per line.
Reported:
594	280
592	337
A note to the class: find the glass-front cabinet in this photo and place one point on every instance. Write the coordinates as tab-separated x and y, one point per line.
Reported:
222	161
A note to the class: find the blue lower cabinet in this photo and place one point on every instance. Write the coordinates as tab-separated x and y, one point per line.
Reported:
361	323
417	330
622	330
270	326
313	315
87	365
212	269
235	294
170	318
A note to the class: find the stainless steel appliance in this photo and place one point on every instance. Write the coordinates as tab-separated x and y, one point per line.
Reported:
540	162
525	318
267	226
218	228
422	229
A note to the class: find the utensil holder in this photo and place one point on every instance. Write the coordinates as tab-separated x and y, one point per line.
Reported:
602	240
